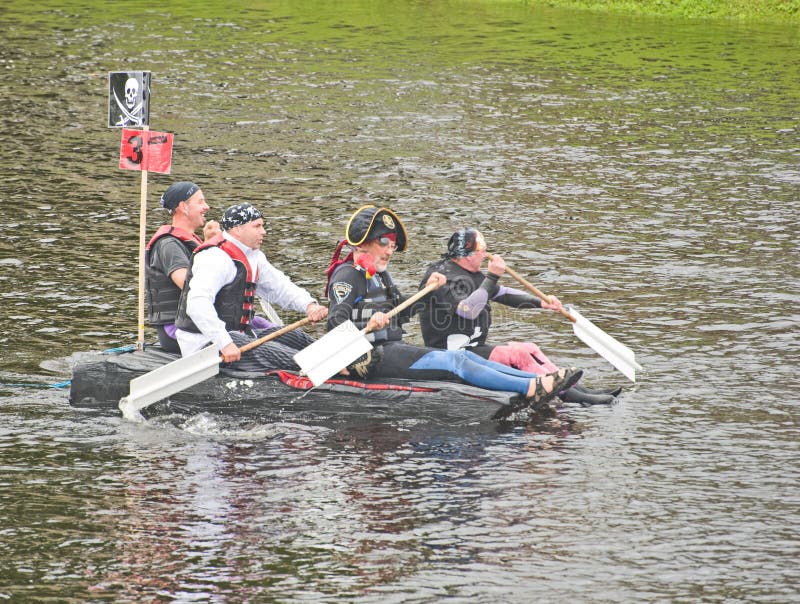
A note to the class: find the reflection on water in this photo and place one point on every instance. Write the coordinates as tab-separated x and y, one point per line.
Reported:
645	171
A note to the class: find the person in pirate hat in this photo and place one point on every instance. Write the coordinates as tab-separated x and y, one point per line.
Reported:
217	301
458	315
370	223
168	255
361	290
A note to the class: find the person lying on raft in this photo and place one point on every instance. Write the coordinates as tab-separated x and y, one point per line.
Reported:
360	289
217	301
458	315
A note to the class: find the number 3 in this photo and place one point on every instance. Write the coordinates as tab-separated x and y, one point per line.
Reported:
136	146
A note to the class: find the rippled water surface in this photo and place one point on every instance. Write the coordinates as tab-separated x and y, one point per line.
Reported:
646	171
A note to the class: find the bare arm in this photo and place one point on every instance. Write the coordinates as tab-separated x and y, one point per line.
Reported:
178	277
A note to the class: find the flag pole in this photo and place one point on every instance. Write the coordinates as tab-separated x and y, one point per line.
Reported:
142	234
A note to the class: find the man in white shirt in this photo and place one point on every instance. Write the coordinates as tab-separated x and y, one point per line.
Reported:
217	302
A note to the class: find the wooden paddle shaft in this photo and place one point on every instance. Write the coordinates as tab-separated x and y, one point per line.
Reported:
403	305
534	290
273	335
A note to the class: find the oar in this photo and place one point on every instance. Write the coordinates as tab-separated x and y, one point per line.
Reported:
183	373
342	345
616	353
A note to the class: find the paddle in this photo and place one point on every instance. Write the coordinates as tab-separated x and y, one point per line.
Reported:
183	373
616	353
342	345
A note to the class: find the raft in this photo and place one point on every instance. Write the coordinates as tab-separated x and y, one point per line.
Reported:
100	380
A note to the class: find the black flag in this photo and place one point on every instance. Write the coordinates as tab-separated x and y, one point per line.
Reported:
128	99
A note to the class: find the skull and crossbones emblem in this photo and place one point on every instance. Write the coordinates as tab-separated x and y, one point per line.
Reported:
131	112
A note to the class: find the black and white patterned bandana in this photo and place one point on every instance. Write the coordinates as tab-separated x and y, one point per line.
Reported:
463	243
238	215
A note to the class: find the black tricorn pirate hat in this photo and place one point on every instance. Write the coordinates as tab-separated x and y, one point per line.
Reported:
370	222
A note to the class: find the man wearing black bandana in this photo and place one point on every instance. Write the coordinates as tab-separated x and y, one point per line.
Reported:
169	253
361	290
217	301
459	315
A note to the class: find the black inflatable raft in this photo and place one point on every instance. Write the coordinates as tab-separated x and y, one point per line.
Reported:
100	380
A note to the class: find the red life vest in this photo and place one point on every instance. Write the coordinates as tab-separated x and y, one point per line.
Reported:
235	302
162	293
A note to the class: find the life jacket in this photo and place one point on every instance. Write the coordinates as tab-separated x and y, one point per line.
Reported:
235	302
380	294
336	261
162	293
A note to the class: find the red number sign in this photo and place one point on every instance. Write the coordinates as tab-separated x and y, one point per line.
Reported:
146	150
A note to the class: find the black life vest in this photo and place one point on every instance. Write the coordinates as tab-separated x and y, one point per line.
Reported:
336	262
162	293
379	294
235	302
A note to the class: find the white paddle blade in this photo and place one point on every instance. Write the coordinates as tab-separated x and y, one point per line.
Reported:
616	353
269	312
332	352
169	379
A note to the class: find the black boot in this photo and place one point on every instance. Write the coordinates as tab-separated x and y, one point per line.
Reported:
615	392
576	395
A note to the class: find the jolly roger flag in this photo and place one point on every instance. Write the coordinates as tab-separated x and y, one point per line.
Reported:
128	99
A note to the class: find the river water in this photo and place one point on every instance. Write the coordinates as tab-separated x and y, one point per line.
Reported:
645	170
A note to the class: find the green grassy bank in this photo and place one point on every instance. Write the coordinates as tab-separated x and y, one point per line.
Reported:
758	10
